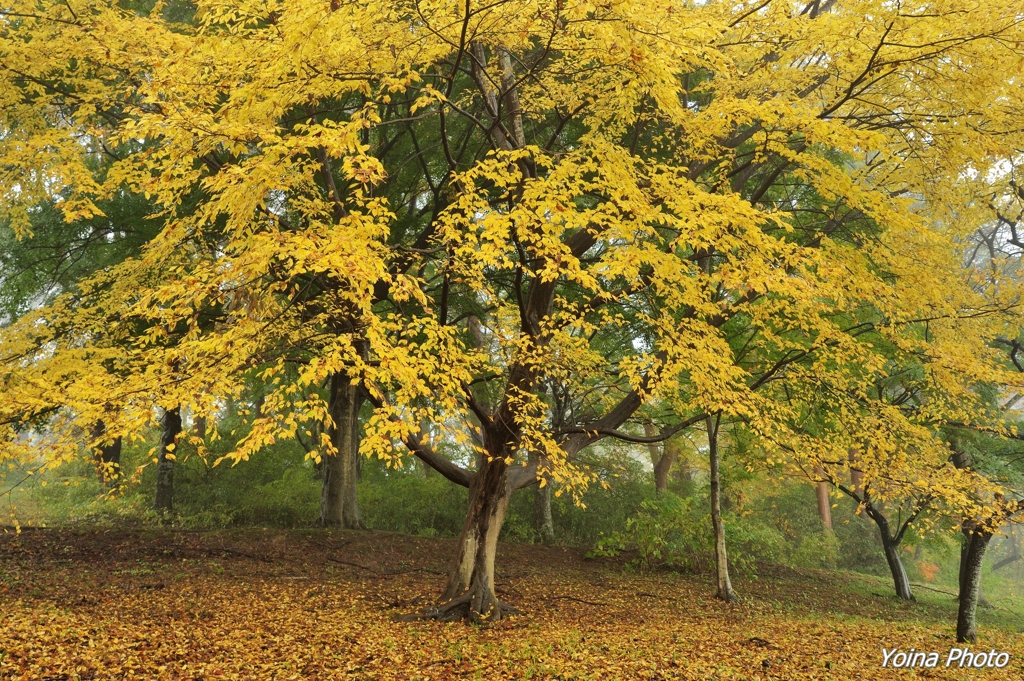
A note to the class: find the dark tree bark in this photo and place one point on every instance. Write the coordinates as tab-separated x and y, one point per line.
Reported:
891	545
199	427
723	585
108	457
891	540
162	500
970	581
339	505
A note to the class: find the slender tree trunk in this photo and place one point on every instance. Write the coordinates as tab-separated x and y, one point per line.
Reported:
542	512
856	475
165	464
470	590
824	502
339	505
722	582
892	555
108	457
899	574
970	584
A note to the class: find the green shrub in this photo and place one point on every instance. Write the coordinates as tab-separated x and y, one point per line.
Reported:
667	531
407	500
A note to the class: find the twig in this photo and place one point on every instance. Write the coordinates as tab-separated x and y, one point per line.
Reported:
931	588
579	600
382	574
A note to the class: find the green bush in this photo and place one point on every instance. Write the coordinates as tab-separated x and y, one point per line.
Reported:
604	510
668	531
407	500
675	532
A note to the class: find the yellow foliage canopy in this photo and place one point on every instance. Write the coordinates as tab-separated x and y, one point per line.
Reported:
754	209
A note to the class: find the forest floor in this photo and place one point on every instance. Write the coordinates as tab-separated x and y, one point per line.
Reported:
254	604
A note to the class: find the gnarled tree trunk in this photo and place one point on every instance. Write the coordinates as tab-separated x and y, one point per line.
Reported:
470	590
978	538
165	465
339	505
722	582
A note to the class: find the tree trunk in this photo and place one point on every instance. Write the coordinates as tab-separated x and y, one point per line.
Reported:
892	555
970	585
662	458
339	505
965	544
722	582
824	503
108	457
165	460
662	468
542	512
199	427
470	590
899	574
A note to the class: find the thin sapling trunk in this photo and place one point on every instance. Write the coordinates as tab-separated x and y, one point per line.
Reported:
723	584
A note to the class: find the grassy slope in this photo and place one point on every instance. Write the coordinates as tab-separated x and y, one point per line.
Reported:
319	605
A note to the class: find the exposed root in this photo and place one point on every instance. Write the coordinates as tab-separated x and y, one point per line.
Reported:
475	605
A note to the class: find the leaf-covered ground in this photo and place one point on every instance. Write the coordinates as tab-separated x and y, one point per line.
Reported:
319	605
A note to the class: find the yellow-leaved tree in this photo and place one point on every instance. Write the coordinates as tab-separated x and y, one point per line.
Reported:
517	221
